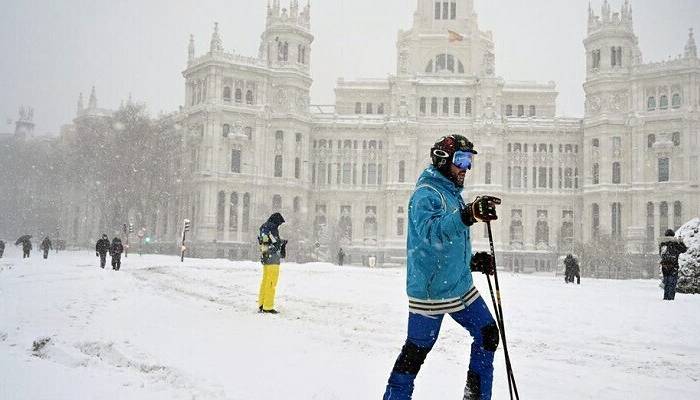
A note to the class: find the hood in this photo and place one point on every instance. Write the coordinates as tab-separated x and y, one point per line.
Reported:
431	176
276	219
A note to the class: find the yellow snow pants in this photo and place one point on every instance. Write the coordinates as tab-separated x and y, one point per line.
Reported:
266	298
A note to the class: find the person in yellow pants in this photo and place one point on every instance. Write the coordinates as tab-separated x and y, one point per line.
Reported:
272	250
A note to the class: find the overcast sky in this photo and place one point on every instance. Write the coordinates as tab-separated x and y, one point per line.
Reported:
54	49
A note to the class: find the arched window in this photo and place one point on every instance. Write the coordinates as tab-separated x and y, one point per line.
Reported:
677	215
239	95
616	172
235	161
249	97
227	93
487	173
663	102
422	106
663	170
297	168
246	212
226	130
445	106
595	143
279	136
433	106
663	217
676	100
676	138
248	130
568	178
595	220
651	103
651	139
468	106
542	148
444	63
616	216
402	171
542	232
233	213
220	211
276	202
650	222
596	174
516	227
345	223
278	166
457	109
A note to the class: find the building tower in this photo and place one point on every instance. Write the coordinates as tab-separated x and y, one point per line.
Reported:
24	127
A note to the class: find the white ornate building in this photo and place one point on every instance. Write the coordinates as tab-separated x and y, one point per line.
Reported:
627	169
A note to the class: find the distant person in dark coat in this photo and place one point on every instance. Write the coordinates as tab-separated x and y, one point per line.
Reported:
116	250
341	256
101	250
272	250
2	248
572	269
669	250
46	246
26	248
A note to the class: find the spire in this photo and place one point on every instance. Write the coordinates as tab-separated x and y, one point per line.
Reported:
80	103
605	11
190	49
92	103
294	8
691	50
216	43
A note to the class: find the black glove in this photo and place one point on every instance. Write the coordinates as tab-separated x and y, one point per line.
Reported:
97	254
283	250
482	209
483	262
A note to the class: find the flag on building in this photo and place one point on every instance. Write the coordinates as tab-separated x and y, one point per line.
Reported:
454	36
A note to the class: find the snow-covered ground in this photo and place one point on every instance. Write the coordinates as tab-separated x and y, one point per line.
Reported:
161	329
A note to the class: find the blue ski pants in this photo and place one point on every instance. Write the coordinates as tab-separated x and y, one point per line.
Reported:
423	331
670	282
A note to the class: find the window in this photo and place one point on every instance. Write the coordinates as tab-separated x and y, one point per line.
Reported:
516	227
248	132
468	106
441	62
278	166
220	211
433	106
663	218
596	174
663	102
438	7
595	143
297	168
279	136
533	111
542	228
399	226
616	172
457	106
239	95
616	219
249	97
595	62
358	108
445	106
347	173
509	110
651	103
453	10
445	10
235	161
380	108
225	130
595	220
369	108
663	169
487	173
371	174
651	139
297	204
517	179
521	110
616	56
276	202
676	101
298	137
650	223
246	212
227	93
422	106
542	177
568	178
677	215
676	137
233	213
402	171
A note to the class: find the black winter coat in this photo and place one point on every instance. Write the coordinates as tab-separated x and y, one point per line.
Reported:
46	244
2	245
116	249
102	246
673	248
272	247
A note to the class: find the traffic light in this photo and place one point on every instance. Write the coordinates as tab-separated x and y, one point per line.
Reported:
131	228
148	239
187	225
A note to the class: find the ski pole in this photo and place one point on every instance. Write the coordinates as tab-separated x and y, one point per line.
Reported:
499	314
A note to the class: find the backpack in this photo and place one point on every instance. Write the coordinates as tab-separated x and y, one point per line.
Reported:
668	256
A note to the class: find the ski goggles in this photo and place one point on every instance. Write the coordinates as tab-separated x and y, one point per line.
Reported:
463	159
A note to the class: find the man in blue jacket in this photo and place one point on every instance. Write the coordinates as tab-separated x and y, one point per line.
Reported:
439	271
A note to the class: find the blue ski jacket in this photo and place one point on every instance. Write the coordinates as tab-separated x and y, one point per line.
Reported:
438	243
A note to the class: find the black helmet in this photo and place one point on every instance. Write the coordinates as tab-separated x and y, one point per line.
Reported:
669	232
444	149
